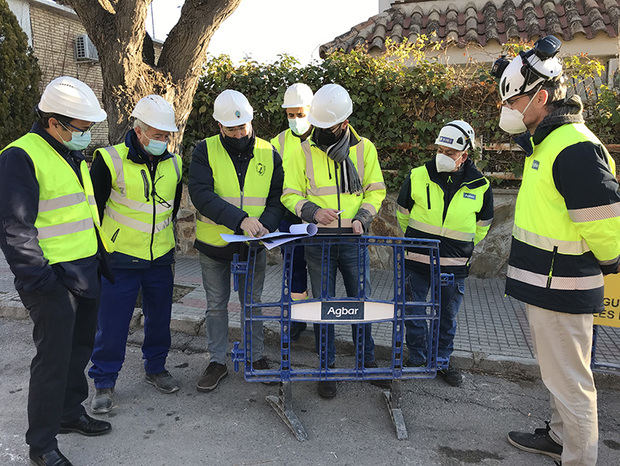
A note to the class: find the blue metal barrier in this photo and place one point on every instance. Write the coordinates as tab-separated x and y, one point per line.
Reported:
326	309
596	364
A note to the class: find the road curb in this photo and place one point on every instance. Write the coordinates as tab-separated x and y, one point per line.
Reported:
188	324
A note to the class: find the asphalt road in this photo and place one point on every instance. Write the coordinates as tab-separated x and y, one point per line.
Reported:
235	425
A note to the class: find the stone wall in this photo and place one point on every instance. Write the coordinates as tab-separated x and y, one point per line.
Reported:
489	260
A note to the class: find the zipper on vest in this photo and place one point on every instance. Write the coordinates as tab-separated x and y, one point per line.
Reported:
146	184
428	196
145	181
555	251
113	239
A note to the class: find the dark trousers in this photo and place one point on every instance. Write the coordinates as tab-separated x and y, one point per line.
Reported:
118	300
64	330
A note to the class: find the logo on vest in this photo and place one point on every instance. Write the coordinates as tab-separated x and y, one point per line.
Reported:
535	164
446	140
342	310
469	196
260	169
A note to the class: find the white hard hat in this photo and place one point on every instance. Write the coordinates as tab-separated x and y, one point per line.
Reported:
297	95
331	105
529	69
155	111
231	108
458	135
72	98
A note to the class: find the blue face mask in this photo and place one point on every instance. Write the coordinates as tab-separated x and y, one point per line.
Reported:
78	141
155	147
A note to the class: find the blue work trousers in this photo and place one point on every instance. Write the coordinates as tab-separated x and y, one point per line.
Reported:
116	308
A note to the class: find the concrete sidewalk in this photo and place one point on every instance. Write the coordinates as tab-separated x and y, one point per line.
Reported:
492	333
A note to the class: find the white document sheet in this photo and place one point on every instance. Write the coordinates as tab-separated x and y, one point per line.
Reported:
275	239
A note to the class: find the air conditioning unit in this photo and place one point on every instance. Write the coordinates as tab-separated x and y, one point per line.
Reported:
85	50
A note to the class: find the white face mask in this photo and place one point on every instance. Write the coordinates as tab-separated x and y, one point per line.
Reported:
299	125
445	163
511	120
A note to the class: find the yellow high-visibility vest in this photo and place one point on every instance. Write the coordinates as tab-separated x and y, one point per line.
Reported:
252	199
311	176
67	216
138	213
460	227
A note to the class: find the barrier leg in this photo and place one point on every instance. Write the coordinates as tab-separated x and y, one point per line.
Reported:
392	398
283	405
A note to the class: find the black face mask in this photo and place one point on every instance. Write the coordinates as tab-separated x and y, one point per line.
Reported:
238	145
325	137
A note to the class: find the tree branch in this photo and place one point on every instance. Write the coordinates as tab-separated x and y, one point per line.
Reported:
184	51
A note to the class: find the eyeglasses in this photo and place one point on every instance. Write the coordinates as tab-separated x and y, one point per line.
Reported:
78	130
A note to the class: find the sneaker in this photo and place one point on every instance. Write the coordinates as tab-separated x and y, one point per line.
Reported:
452	376
538	442
381	383
211	377
163	381
102	402
262	365
327	388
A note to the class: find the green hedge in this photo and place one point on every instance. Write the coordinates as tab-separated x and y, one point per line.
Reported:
399	107
19	78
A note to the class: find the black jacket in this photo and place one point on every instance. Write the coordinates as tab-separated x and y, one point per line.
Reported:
102	184
212	206
19	191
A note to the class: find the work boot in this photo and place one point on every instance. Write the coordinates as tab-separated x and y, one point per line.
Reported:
538	442
211	377
163	381
327	388
102	402
296	330
262	365
452	376
381	383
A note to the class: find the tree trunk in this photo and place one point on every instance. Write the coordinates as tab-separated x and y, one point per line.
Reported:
117	28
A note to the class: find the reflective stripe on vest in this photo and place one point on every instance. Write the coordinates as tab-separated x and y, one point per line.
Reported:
441	231
67	215
252	199
444	261
138	213
555	282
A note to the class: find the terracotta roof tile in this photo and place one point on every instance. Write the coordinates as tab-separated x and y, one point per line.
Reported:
478	22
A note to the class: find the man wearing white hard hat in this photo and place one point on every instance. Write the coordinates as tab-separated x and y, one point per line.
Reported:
566	236
235	183
296	105
138	189
449	200
345	169
48	233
